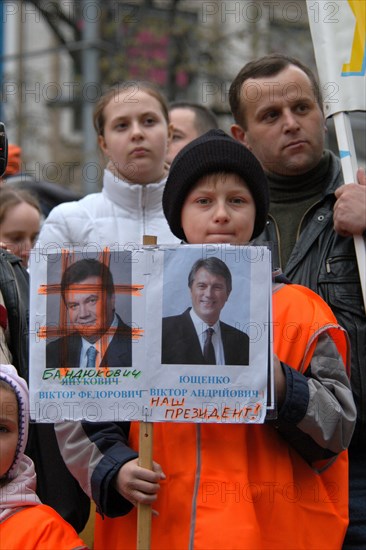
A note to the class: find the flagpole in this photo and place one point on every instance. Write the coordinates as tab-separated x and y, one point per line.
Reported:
349	168
339	47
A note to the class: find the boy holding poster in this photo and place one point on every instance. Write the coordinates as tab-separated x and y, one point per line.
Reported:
279	485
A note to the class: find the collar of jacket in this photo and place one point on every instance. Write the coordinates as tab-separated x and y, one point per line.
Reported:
132	195
334	177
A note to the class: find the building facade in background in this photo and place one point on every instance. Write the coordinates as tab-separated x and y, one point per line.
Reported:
58	56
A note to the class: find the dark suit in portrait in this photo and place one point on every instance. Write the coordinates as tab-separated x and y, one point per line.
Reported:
180	343
65	352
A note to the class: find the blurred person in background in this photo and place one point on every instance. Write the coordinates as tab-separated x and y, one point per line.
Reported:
189	120
49	194
20	220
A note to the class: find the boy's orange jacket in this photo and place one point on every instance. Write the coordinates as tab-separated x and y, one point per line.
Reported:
243	486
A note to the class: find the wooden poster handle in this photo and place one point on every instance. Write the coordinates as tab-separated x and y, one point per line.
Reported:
144	510
145	461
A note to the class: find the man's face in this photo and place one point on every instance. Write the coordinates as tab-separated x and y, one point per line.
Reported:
284	123
184	131
209	295
90	308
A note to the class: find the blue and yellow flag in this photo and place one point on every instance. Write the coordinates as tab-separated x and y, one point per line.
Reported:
338	31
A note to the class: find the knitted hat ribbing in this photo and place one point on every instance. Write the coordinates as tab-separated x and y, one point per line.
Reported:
213	152
9	375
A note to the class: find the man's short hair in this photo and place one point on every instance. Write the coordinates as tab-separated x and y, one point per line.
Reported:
215	266
78	271
204	119
268	65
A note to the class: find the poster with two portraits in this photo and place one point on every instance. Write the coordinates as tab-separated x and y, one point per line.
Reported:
147	313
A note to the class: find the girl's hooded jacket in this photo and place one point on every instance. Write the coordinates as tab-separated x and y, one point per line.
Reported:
25	523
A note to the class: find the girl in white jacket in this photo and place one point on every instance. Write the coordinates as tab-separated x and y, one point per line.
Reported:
133	128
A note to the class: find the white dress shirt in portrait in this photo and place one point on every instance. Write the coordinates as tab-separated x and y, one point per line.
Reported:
201	329
85	345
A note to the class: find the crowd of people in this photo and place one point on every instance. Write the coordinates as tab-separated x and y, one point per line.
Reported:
171	172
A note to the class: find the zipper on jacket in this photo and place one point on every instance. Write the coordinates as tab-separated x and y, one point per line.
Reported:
332	260
143	206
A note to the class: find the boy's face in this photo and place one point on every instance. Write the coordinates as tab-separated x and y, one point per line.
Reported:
8	429
219	209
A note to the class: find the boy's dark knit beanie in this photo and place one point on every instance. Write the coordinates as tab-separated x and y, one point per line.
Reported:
213	152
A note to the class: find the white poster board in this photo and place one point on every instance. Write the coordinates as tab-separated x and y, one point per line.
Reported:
150	284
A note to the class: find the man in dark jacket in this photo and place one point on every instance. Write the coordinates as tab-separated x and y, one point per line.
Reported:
277	106
197	336
96	337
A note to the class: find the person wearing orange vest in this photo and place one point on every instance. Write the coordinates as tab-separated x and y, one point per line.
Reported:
282	485
25	523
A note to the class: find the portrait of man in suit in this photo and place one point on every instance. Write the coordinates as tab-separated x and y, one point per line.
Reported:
197	336
96	336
